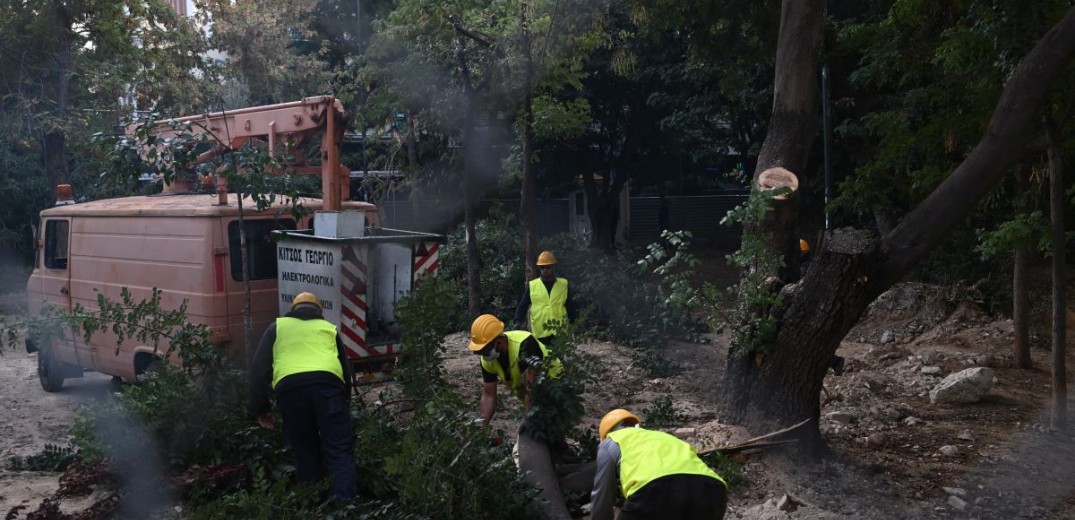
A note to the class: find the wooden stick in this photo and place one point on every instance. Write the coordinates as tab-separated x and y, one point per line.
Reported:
729	450
747	443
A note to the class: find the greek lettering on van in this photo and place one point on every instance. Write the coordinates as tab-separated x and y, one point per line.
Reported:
306	278
319	257
290	254
326	304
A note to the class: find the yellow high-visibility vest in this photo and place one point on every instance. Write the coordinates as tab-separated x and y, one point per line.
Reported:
515	382
546	306
304	346
647	455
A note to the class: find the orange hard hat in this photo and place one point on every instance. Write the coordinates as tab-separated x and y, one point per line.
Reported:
546	258
305	297
611	419
484	329
804	246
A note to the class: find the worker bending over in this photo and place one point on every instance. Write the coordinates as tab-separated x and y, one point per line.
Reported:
547	299
660	476
302	356
511	357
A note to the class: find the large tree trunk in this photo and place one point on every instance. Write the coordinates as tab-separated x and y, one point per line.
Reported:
1056	210
783	383
1021	286
852	269
751	379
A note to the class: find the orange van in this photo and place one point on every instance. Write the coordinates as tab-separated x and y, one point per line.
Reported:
186	245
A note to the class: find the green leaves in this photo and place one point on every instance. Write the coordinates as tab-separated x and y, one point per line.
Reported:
1031	230
426	315
753	300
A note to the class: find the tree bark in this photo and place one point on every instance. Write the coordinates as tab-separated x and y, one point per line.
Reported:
535	465
1056	210
783	384
1020	286
793	124
55	157
755	385
469	218
529	188
852	268
54	141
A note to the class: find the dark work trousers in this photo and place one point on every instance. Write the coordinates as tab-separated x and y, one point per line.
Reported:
677	497
317	426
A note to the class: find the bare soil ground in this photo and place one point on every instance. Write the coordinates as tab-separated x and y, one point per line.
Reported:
886	439
30	418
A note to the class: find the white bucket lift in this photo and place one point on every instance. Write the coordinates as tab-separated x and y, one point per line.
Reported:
358	273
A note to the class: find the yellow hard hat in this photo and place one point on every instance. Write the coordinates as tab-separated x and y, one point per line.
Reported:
804	246
484	329
305	297
611	419
546	258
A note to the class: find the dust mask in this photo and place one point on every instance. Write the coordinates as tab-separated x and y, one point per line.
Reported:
492	356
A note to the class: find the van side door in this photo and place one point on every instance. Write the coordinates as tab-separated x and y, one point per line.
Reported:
54	277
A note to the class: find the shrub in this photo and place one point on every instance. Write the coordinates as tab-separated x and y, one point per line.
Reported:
502	271
426	315
556	404
661	414
50	458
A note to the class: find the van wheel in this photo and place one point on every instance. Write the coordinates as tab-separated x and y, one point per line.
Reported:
49	371
145	364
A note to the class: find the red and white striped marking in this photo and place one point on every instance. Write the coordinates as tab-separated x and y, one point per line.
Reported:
353	324
426	258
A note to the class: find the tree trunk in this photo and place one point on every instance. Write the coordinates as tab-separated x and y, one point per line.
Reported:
793	124
783	384
1020	286
1056	210
1014	124
54	145
535	465
529	189
602	205
758	384
412	142
55	156
474	305
851	268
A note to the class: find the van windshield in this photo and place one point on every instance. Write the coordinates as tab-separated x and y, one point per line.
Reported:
261	250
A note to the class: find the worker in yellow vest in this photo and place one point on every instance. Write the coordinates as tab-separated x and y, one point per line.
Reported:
659	476
547	299
510	357
302	357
